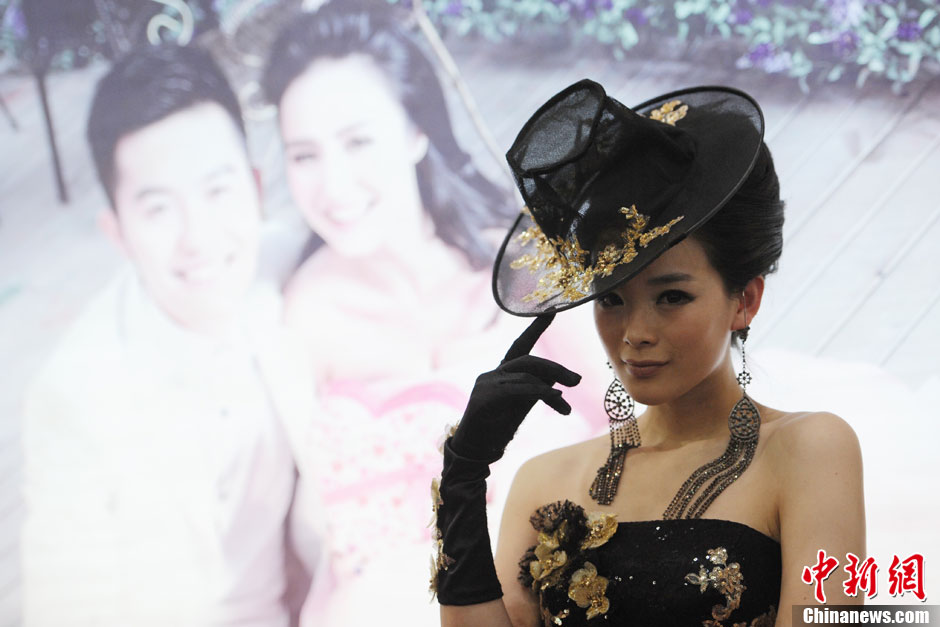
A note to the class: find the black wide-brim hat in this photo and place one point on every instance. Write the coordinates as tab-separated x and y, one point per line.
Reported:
608	189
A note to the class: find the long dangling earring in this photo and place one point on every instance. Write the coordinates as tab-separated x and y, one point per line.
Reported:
624	435
744	424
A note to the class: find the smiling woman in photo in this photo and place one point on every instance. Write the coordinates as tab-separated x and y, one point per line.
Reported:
407	220
395	301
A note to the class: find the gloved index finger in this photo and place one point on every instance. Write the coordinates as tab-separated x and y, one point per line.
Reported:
525	342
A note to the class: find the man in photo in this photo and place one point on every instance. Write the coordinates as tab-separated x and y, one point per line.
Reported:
164	439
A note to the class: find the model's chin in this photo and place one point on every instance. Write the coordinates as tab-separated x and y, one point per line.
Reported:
208	317
351	243
647	391
203	308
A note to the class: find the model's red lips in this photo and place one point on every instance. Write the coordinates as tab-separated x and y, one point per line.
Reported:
644	369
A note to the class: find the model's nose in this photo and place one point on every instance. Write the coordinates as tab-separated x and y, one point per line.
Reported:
638	329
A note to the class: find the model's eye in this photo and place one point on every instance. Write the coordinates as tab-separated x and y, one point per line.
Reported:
358	141
155	209
218	191
610	299
674	297
304	156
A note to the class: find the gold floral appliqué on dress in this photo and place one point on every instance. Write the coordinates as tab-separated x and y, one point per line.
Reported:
729	581
558	569
548	557
569	271
587	589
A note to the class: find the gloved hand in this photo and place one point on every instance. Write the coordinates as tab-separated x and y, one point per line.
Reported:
498	403
502	397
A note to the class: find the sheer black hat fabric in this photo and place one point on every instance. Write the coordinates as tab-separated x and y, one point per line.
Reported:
608	188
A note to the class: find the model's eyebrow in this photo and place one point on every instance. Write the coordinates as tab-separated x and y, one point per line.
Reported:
223	170
302	142
673	277
146	192
298	143
219	172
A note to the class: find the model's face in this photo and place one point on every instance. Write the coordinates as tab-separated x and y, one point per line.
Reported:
350	154
667	329
188	214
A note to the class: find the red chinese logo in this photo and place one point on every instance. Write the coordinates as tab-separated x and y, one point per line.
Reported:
907	576
819	573
903	576
862	575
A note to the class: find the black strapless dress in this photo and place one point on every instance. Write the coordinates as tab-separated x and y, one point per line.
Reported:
588	569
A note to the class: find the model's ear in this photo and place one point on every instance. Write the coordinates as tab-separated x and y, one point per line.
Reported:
748	303
108	224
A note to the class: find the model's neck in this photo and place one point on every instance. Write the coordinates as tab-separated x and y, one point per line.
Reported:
419	258
700	414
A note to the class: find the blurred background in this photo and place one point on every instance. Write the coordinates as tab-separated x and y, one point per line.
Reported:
851	96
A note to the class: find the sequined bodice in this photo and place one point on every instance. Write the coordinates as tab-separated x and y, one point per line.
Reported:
681	572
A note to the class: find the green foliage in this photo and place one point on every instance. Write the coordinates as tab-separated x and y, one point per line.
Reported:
824	40
821	40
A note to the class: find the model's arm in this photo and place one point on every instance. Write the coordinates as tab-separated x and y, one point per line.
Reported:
467	584
821	506
518	607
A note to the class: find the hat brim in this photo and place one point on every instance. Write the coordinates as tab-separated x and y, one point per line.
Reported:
728	128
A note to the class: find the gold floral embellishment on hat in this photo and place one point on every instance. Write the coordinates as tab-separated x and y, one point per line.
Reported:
725	578
569	271
587	589
668	113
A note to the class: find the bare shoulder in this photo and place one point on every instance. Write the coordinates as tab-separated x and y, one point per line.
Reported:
801	442
549	476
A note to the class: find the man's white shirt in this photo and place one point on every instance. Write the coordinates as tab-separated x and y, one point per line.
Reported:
161	467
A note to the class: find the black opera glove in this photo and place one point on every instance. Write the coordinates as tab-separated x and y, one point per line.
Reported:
464	570
502	398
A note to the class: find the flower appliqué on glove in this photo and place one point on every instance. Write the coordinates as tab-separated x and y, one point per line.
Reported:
440	561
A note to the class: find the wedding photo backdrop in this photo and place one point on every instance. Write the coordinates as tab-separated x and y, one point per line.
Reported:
397	328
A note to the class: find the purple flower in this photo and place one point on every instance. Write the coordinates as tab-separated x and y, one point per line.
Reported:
908	31
636	16
766	57
845	44
15	22
760	53
741	16
454	7
847	12
763	3
584	8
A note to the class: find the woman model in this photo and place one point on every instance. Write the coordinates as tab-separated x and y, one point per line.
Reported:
709	508
408	227
407	219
